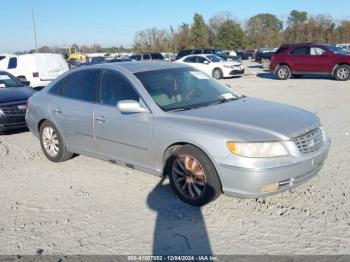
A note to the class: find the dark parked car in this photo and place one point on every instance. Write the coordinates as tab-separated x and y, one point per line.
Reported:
218	52
264	53
250	53
243	55
13	102
118	60
148	57
301	59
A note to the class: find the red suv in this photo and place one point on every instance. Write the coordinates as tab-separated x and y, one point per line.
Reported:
301	59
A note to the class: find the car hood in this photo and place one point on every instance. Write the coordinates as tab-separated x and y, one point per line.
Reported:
252	119
15	94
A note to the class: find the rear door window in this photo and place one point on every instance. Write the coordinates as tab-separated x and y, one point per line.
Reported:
12	63
300	51
201	59
146	57
81	85
316	51
191	59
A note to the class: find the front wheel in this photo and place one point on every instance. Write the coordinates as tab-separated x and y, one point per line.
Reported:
193	176
342	73
283	72
52	143
217	73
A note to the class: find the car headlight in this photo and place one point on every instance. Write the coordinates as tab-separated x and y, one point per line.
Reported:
257	149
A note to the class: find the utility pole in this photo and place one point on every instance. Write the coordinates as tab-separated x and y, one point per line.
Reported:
36	42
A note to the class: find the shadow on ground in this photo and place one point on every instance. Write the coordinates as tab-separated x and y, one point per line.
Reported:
270	75
179	228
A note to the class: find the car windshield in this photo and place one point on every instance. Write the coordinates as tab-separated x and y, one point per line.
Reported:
219	52
337	50
179	89
7	81
214	58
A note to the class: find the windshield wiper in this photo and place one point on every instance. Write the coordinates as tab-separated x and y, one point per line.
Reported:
220	101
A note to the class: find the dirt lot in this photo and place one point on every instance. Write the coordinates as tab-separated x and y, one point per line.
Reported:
87	206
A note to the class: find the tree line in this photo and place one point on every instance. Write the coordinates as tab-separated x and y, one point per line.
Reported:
262	30
225	32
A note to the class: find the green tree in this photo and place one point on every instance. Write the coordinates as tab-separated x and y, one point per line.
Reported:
230	36
297	18
264	30
199	32
214	25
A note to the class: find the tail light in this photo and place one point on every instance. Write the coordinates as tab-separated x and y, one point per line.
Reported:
26	106
35	74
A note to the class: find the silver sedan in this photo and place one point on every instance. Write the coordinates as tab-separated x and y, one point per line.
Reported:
171	120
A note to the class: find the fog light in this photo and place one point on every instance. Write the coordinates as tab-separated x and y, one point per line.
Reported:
269	187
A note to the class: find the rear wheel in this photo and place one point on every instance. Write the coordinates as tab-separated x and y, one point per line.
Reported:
52	143
342	73
283	72
217	73
193	176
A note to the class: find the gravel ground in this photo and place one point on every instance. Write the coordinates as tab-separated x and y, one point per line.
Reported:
88	206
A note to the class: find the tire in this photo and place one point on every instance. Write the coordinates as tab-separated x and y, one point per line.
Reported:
342	73
195	184
283	72
297	76
52	143
217	73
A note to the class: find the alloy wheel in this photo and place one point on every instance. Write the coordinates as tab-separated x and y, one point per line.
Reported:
189	176
50	141
282	73
217	74
343	73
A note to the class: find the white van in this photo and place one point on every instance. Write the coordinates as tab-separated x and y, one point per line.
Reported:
39	69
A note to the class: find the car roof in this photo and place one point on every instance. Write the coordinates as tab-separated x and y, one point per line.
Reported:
136	67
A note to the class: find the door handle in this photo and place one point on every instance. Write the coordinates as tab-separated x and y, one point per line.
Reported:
57	111
101	119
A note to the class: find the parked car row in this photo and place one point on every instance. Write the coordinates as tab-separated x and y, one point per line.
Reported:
218	52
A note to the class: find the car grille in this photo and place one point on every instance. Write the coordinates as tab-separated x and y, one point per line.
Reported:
14	110
310	141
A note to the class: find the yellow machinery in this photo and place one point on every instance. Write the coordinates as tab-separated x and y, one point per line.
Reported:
73	54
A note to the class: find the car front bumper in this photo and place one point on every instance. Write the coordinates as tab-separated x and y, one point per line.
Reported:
248	182
234	71
8	123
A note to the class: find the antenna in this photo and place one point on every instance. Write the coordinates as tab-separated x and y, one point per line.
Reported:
36	42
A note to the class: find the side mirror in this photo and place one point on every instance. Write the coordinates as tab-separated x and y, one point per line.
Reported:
206	62
23	81
130	106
